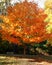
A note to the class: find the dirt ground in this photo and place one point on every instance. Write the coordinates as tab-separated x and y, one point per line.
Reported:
5	60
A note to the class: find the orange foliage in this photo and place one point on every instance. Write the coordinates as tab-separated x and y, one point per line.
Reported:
26	23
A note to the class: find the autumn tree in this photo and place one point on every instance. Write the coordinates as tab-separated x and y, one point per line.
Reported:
48	11
24	22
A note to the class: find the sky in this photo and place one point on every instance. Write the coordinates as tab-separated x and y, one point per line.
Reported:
40	2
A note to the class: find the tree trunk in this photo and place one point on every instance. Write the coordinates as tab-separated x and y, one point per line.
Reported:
24	51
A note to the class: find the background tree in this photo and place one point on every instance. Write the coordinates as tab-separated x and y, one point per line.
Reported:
48	11
3	5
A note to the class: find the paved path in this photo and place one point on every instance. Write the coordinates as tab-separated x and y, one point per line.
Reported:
4	60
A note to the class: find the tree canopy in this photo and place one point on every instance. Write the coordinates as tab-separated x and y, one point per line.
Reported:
24	22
